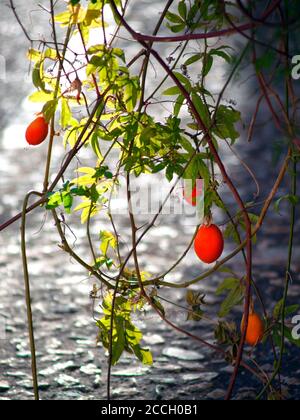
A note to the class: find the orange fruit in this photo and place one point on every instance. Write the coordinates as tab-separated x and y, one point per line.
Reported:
191	194
37	131
209	243
255	330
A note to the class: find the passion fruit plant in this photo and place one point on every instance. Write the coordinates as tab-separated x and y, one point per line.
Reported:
107	108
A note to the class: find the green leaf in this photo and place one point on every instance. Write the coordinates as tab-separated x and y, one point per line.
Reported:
234	298
178	105
96	62
232	230
228	284
51	54
177	28
108	240
68	202
172	91
193	59
96	49
96	146
37	77
182	9
172	17
289	310
125	335
158	305
184	80
131	94
226	118
66	114
170	173
293	199
222	54
89	210
208	63
143	355
55	200
34	55
186	144
202	109
63	18
118	341
198	169
40	97
60	198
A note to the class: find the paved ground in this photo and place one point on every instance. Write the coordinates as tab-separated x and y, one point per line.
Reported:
70	364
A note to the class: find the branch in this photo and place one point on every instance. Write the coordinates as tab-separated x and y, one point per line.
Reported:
28	297
13	8
192	37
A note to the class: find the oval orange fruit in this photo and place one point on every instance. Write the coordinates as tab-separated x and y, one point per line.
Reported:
209	243
191	194
37	131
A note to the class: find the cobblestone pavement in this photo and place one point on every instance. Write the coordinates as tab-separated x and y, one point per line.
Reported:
71	366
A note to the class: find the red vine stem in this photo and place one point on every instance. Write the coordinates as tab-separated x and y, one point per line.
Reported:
214	34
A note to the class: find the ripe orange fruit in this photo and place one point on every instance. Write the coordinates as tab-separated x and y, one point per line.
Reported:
191	194
209	243
255	330
37	131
